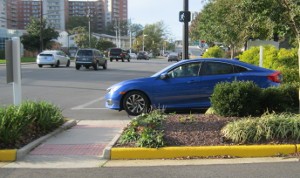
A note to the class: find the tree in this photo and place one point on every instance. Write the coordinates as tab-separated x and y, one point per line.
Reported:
31	40
225	21
152	36
103	45
82	37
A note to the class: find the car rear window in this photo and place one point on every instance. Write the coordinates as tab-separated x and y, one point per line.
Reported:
116	50
46	54
85	53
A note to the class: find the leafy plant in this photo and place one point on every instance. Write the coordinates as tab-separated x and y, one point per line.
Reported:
268	127
215	51
144	130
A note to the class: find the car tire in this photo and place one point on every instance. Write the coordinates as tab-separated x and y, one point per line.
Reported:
105	65
136	103
68	63
111	60
122	59
57	64
128	60
77	67
40	65
96	66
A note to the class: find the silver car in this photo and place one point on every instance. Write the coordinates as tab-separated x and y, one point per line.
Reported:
54	58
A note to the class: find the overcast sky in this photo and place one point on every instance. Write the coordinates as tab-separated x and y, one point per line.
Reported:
152	11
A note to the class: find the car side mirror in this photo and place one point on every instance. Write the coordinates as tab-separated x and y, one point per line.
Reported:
164	76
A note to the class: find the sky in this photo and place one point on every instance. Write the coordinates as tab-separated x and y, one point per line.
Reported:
151	11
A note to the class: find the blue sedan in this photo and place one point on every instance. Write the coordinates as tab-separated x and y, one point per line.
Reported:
184	85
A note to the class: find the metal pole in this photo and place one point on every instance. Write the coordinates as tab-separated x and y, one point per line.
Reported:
261	56
185	44
17	90
143	42
41	27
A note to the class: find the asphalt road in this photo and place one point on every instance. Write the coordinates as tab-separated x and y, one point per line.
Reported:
79	93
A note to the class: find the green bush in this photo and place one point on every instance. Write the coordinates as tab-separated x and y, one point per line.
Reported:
144	130
268	127
2	54
238	98
28	119
215	52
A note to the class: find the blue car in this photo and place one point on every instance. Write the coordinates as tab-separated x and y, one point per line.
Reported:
184	85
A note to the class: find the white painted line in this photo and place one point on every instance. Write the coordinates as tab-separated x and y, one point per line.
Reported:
87	104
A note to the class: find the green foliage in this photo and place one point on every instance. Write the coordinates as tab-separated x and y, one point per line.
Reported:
103	45
238	98
215	52
30	118
265	128
2	54
283	60
31	40
144	130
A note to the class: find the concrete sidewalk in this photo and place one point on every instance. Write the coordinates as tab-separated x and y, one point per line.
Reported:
81	146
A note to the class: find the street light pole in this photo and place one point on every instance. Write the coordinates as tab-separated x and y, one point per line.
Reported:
144	41
41	26
185	45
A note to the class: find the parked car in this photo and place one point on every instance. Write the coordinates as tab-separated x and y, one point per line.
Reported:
118	53
54	58
184	85
142	55
132	55
173	57
88	58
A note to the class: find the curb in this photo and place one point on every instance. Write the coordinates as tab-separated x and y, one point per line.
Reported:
107	150
244	151
14	155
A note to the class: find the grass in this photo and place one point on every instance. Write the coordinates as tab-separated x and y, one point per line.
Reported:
23	59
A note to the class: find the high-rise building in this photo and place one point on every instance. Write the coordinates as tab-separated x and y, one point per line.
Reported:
91	9
3	19
56	13
115	10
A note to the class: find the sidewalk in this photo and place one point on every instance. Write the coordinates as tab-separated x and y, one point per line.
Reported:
81	146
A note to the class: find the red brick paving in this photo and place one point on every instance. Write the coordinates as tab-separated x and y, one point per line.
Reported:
68	149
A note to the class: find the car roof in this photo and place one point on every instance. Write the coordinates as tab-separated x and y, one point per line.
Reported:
50	52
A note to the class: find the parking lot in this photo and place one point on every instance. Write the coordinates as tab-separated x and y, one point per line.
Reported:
80	94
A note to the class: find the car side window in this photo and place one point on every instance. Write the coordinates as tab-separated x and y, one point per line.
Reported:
185	70
238	69
217	68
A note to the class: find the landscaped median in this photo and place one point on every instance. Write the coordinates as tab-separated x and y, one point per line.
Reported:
24	127
204	151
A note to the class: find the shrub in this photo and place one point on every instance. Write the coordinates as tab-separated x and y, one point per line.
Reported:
215	51
238	98
144	130
268	127
28	119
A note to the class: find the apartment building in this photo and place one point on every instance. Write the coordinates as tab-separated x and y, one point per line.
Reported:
3	19
93	9
56	13
115	10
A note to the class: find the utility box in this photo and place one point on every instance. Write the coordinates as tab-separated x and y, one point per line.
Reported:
9	61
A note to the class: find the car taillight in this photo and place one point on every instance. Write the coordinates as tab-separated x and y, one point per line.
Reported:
275	77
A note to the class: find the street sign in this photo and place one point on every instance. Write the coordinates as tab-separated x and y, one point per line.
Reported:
184	16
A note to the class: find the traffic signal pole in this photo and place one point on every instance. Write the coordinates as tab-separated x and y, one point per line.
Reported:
185	40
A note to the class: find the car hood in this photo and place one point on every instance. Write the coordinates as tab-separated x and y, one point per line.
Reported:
129	84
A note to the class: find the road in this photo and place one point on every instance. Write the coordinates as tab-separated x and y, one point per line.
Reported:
79	93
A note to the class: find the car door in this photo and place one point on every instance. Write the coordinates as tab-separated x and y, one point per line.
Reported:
212	73
180	88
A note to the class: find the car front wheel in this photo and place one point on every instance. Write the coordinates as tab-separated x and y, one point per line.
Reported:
135	103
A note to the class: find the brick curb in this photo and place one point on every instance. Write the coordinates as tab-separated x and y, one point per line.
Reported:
17	154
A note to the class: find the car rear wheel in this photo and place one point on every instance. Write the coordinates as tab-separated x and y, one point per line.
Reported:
105	65
78	67
40	65
57	64
96	66
68	63
135	103
122	59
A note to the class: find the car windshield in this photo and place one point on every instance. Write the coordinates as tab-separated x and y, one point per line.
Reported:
84	53
43	54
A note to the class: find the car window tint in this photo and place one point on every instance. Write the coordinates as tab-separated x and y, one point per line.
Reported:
185	70
217	68
238	69
85	53
46	55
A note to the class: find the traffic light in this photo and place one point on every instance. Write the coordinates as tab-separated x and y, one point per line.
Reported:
184	16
